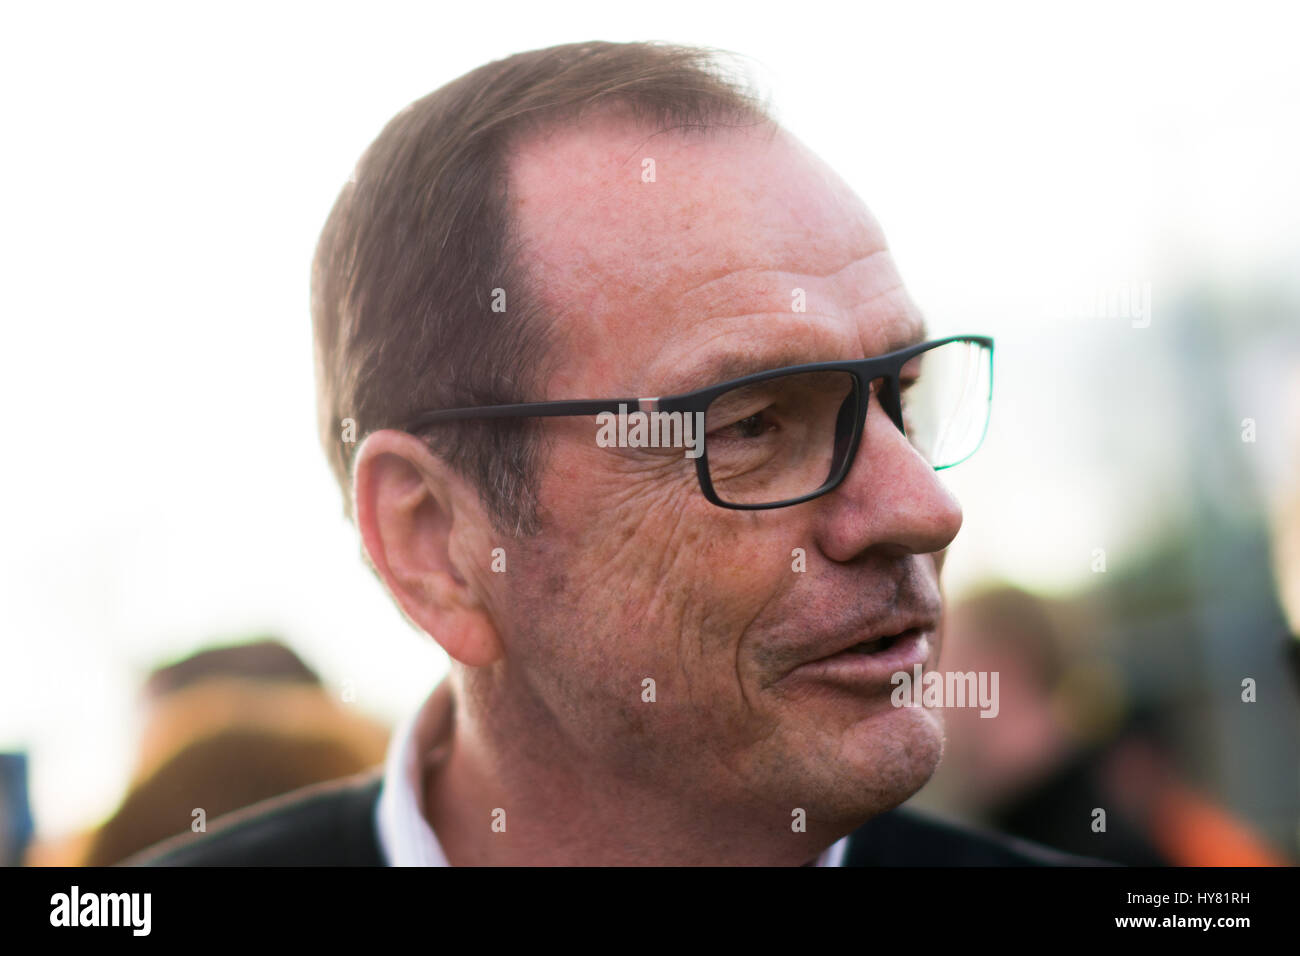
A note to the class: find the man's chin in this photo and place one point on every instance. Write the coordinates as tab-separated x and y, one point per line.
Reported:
876	763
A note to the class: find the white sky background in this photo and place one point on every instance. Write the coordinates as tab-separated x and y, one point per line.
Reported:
166	175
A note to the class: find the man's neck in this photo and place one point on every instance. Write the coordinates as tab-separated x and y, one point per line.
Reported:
495	806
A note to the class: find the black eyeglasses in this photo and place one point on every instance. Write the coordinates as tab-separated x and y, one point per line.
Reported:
788	435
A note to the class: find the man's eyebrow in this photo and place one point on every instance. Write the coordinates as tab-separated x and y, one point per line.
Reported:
724	366
720	366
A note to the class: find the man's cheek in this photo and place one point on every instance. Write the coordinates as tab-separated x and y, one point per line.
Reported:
647	530
744	567
673	578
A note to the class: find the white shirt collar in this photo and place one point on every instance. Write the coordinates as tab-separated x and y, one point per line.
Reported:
419	746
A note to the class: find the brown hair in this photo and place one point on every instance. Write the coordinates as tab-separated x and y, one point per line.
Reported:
403	278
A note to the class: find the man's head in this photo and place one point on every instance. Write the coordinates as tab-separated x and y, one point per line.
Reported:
617	570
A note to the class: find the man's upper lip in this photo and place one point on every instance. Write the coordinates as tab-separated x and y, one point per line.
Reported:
891	628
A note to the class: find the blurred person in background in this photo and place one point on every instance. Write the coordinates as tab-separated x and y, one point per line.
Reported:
1067	743
226	728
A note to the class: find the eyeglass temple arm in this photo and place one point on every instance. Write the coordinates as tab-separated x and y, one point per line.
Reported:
538	409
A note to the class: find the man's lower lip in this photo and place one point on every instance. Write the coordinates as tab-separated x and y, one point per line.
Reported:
868	671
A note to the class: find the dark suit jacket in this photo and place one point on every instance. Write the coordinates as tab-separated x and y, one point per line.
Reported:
333	824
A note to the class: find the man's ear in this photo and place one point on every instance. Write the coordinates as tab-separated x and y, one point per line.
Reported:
423	530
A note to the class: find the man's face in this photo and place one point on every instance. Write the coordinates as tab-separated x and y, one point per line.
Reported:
667	286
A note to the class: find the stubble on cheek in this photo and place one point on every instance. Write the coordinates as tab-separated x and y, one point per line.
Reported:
594	610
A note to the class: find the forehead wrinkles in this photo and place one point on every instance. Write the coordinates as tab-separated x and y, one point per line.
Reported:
861	306
885	314
856	283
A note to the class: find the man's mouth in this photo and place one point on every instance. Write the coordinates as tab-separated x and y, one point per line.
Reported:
877	644
868	665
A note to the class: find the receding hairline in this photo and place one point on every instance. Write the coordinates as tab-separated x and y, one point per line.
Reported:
452	148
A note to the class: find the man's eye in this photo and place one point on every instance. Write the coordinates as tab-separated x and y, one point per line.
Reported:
752	426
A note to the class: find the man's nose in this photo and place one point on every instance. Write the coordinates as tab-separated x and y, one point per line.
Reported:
891	498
